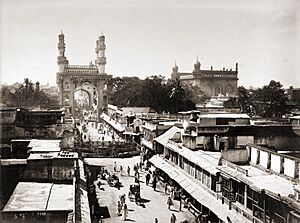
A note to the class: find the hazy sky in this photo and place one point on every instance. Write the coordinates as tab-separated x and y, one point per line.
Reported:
144	38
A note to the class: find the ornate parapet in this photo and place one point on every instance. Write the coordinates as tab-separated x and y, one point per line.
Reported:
80	69
74	76
223	75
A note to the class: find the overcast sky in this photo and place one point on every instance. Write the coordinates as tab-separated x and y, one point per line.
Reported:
144	38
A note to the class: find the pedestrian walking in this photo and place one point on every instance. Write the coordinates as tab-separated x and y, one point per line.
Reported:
147	178
115	166
155	220
136	197
125	210
137	174
154	184
172	192
119	208
136	179
128	171
173	218
121	170
122	199
169	202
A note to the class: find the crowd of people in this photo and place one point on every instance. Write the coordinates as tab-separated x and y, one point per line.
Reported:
151	177
151	180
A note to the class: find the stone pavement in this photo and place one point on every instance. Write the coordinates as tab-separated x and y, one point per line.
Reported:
154	202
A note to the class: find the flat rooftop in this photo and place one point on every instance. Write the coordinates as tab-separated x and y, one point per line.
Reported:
43	145
261	180
53	155
224	115
32	196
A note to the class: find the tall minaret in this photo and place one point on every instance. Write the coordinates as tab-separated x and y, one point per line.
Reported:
61	59
100	51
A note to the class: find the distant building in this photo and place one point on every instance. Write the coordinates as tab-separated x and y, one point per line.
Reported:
211	82
91	78
19	123
294	95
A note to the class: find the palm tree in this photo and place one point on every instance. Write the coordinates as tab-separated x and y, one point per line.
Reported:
24	94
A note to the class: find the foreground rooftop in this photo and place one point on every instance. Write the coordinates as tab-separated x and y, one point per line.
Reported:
32	196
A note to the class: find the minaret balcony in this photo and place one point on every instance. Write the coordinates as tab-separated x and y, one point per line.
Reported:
61	59
101	47
101	60
61	45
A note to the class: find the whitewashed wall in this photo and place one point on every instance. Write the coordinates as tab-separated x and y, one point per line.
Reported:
263	159
289	167
253	154
275	163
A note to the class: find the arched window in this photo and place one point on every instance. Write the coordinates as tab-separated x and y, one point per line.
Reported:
67	86
228	89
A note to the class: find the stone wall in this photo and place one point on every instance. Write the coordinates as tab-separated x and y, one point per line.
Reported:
49	170
237	156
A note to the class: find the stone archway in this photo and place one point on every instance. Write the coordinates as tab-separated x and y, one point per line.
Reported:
91	90
218	90
94	85
71	77
82	98
228	89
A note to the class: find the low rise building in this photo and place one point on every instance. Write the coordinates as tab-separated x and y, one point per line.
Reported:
41	202
262	188
22	123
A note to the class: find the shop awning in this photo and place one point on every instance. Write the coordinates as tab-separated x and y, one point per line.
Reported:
198	192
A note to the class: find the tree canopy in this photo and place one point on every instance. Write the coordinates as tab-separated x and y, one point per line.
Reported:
269	101
156	92
24	96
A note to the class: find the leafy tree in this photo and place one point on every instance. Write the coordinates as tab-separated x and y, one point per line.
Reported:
180	97
270	101
25	96
196	94
244	101
155	92
125	91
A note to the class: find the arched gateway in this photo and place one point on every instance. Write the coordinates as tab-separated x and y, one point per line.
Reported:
89	78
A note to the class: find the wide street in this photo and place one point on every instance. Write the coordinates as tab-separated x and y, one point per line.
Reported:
154	203
93	134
